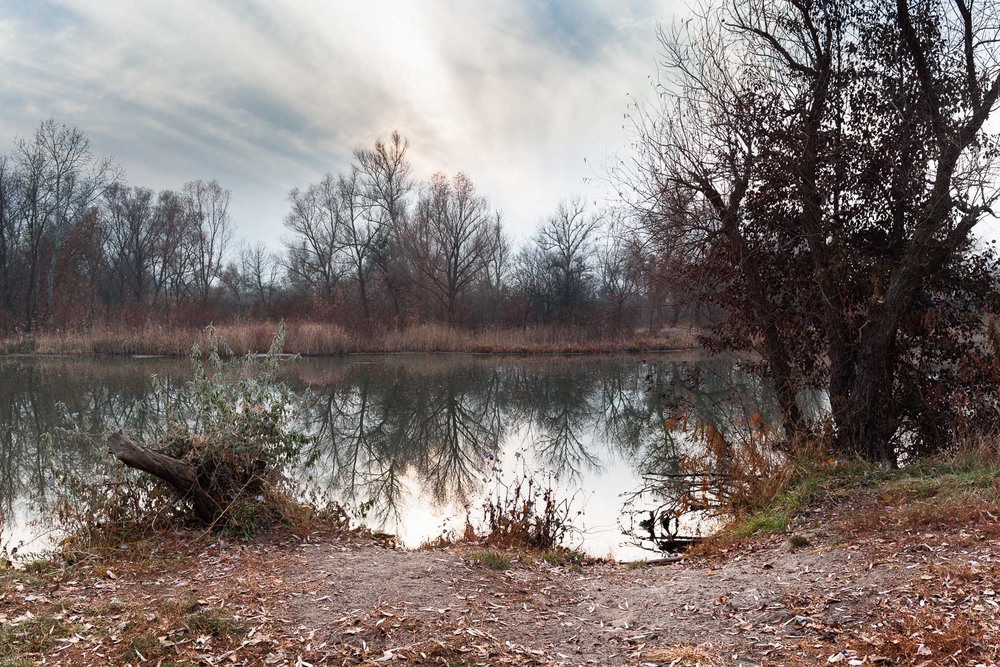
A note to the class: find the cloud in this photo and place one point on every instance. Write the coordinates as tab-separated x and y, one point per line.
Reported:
266	95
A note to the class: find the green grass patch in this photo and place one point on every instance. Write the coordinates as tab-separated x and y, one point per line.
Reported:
775	516
491	559
952	486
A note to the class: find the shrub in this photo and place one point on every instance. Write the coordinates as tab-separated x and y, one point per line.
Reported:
232	423
526	512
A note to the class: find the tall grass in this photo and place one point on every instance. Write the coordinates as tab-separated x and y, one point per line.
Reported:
323	339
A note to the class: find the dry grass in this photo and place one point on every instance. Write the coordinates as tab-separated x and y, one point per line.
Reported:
321	339
958	487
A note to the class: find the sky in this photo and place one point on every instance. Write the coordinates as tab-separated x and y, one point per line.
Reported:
527	97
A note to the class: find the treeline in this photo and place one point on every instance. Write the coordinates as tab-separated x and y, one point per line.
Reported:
373	246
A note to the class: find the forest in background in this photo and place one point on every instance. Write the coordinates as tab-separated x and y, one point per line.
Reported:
373	248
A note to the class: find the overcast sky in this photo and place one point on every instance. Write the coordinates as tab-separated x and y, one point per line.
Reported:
266	95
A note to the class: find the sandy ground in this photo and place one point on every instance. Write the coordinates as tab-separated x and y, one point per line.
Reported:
770	605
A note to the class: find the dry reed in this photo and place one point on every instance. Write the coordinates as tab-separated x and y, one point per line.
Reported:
322	339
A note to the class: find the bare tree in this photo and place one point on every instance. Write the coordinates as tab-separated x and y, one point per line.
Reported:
207	206
74	180
566	241
261	272
253	279
618	262
30	161
385	181
9	231
172	254
315	222
450	240
364	231
128	223
498	263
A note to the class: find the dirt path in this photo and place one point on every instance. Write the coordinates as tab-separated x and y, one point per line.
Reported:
865	602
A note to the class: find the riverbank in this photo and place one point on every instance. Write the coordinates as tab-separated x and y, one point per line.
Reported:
320	339
869	568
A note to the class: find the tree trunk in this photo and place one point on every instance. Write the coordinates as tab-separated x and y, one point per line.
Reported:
775	352
363	290
183	477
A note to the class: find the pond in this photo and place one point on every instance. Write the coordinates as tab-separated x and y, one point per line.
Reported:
414	444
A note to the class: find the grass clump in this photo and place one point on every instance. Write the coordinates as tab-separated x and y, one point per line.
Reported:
213	621
18	345
524	515
770	516
494	560
562	557
570	559
798	542
147	646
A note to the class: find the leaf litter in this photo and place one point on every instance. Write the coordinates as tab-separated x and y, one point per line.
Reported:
876	596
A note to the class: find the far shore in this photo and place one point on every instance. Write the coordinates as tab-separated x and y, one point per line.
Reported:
322	339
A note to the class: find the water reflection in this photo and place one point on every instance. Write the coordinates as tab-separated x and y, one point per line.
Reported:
410	440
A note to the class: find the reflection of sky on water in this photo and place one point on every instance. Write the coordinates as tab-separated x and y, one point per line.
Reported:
25	530
596	491
410	437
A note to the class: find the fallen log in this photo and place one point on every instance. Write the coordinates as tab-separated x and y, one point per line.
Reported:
180	475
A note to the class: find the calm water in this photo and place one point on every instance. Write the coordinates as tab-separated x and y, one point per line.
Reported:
413	444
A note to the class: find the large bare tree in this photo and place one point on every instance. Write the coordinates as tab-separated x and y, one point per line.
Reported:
558	267
363	232
172	254
385	180
315	223
450	240
128	217
211	231
818	168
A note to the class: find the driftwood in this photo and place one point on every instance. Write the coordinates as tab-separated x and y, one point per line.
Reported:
180	475
665	561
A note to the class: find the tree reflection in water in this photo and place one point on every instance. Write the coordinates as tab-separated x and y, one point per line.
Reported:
384	426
